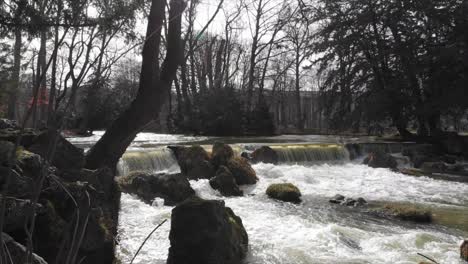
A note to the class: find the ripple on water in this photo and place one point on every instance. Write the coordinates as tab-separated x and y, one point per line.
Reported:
315	231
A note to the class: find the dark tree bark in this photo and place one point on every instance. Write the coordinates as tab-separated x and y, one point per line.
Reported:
152	92
12	113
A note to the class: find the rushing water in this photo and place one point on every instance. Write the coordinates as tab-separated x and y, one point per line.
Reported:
314	231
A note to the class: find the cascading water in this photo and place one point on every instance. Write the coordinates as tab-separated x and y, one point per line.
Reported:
311	153
161	159
314	231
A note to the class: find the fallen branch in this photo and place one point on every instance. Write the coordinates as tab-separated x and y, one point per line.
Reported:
146	239
428	258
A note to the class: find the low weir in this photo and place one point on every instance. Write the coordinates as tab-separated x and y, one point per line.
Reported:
162	159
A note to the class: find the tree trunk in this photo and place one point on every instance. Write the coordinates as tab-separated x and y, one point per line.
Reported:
12	113
152	92
299	119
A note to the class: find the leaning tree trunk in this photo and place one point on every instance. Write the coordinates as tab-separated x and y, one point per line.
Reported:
152	92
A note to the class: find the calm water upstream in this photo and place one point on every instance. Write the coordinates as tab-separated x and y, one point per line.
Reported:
314	231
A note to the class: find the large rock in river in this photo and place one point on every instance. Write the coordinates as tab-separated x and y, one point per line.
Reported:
242	171
221	154
225	183
194	162
206	232
173	188
286	192
380	159
265	154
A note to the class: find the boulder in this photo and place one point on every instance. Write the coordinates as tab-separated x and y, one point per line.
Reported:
194	162
206	232
265	154
354	202
242	171
464	250
286	192
225	183
340	199
6	149
66	156
221	154
380	160
173	188
18	252
408	213
30	163
97	214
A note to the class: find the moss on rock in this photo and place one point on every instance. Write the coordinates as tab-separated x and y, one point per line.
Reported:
408	213
286	192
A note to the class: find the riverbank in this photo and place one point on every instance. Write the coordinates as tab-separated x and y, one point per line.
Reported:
52	205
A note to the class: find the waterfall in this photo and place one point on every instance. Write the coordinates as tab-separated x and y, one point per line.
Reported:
161	159
311	153
361	149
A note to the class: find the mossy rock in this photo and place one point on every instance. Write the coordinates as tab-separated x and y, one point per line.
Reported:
242	171
286	192
408	213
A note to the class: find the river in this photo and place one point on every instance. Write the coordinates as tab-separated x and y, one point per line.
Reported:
314	231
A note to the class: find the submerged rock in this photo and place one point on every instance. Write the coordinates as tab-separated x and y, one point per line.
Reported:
464	250
194	162
18	252
242	171
221	154
206	232
225	183
340	199
173	188
265	154
337	199
286	192
380	159
407	213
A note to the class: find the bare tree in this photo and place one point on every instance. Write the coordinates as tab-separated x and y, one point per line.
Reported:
155	81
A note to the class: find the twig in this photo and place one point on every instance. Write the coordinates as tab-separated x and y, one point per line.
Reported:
428	258
146	239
